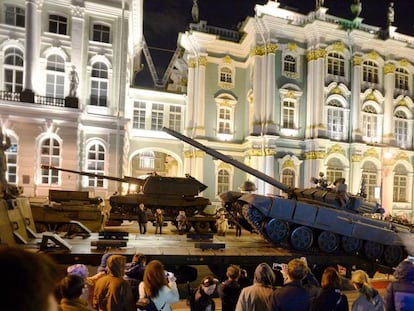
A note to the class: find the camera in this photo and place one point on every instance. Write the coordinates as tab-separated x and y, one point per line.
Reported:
168	274
277	266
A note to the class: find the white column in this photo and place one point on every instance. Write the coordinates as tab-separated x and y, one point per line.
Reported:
270	90
257	95
270	168
201	96
78	50
310	95
355	104
32	44
389	85
190	118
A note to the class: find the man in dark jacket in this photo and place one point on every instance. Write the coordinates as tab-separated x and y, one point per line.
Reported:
400	294
292	296
142	219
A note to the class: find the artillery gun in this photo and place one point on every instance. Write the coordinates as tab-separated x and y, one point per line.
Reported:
320	219
170	194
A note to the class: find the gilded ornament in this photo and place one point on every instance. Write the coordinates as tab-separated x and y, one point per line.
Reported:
402	156
269	151
290	94
202	61
338	46
402	102
357	60
336	90
370	96
371	152
272	48
403	63
192	63
356	158
389	68
336	149
373	55
292	46
288	164
227	59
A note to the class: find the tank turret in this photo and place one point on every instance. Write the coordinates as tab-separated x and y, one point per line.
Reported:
322	219
170	194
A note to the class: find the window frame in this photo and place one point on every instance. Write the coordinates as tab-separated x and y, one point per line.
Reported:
61	22
55	77
335	64
98	35
370	72
99	85
14	69
49	176
18	16
98	163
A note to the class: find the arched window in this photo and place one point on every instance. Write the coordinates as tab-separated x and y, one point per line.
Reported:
335	119
336	64
370	121
401	128
55	76
401	79
13	70
50	155
370	72
289	64
400	184
99	84
369	175
334	170
223	181
288	177
11	156
101	33
96	164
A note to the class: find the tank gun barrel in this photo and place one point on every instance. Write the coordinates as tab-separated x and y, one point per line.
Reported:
126	179
230	160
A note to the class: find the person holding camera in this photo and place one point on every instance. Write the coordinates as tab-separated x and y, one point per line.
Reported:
159	286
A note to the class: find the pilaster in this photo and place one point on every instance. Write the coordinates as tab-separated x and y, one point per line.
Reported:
355	102
389	85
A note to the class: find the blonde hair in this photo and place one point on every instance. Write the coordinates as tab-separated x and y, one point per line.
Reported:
361	280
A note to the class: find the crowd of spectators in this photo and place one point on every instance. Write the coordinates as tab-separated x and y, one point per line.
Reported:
34	282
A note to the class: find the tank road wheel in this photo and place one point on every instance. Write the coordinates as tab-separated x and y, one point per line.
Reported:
328	241
201	226
277	230
351	245
393	255
301	238
373	250
254	214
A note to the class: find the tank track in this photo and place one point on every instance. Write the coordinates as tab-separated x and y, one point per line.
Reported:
256	219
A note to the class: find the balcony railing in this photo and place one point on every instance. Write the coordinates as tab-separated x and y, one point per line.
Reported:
10	96
69	102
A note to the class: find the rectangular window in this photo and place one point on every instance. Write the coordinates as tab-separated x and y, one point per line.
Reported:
371	184
175	118
370	126
15	16
401	132
335	123
138	119
224	121
288	115
157	117
333	174
101	33
400	188
58	24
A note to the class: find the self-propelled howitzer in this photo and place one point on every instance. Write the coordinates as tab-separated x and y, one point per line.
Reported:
314	219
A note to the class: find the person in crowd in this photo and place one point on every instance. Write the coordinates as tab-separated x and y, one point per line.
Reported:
222	225
330	297
71	288
201	299
239	219
111	291
82	271
292	296
102	268
244	280
181	222
134	272
257	297
368	299
142	218
399	295
28	280
159	285
159	220
229	290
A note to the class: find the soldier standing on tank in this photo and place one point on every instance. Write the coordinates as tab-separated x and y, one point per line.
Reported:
159	220
142	218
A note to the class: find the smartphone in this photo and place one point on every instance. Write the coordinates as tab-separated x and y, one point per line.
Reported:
410	258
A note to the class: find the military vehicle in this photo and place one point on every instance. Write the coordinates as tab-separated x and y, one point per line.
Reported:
318	219
170	194
58	212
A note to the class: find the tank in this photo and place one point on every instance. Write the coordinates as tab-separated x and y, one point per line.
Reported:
318	219
67	211
170	194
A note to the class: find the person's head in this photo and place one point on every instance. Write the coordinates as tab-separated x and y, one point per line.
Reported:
233	272
209	284
78	269
154	277
104	260
181	213
139	258
141	206
404	271
158	211
28	280
359	278
72	286
264	275
116	265
331	279
243	273
297	269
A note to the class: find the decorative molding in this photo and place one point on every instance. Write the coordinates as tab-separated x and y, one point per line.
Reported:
77	11
272	48
371	96
292	46
315	54
192	63
336	149
314	155
338	47
371	152
227	59
403	102
403	62
356	158
202	61
402	156
357	60
373	55
194	154
288	164
336	90
389	68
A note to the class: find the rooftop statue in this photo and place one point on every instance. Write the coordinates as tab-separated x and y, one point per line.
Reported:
391	14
